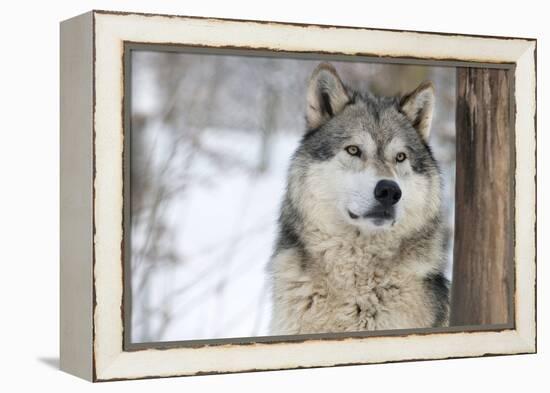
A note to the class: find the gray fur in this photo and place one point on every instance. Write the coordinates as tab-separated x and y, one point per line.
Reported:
334	273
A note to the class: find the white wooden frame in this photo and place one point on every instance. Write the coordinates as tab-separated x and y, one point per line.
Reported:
92	195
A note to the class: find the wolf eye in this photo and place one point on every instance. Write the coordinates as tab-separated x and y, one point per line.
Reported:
353	151
400	157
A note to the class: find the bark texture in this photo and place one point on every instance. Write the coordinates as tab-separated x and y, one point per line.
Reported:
483	252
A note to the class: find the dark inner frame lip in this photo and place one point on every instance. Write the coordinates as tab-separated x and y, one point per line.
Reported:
126	306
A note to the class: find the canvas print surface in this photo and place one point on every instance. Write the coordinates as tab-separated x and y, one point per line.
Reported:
283	196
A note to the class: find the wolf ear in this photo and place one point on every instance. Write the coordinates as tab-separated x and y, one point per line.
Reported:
326	96
418	107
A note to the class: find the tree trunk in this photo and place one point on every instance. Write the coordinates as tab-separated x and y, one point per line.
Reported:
484	227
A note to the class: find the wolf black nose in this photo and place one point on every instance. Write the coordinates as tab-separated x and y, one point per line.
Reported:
387	192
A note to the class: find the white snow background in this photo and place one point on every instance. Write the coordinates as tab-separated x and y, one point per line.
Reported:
211	140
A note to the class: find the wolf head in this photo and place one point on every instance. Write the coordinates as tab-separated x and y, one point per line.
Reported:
364	161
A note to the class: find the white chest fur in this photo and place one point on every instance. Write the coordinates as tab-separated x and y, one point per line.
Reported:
348	287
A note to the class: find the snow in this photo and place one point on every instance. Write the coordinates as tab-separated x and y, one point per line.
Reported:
225	230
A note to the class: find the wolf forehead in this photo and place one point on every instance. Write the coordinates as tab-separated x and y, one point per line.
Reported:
338	115
378	117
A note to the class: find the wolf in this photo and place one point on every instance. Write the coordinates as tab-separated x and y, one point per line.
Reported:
361	242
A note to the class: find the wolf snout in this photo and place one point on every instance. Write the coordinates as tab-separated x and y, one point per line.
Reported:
387	192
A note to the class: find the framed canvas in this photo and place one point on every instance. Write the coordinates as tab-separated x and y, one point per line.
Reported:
246	195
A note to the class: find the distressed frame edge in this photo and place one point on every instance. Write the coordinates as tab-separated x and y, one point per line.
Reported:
525	337
303	24
512	343
525	206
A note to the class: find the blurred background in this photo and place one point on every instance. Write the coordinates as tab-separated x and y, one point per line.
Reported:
211	140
